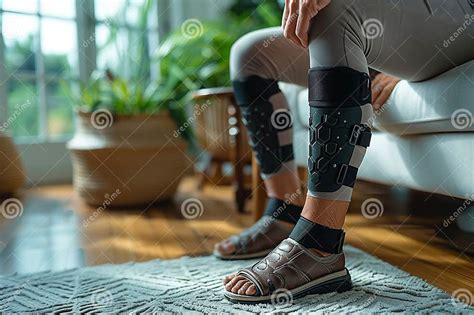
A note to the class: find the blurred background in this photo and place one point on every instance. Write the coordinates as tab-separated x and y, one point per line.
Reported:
53	53
118	128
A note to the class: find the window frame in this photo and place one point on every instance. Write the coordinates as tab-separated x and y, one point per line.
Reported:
46	160
40	77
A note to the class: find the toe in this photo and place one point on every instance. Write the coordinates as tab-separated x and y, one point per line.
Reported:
232	282
228	278
238	285
225	247
244	288
251	290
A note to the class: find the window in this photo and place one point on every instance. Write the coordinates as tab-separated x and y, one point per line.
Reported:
47	45
39	55
126	37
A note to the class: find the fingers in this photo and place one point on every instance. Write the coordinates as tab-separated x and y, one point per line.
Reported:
376	87
302	26
289	30
297	19
384	95
286	13
382	88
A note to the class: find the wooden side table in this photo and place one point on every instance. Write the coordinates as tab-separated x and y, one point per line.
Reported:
220	132
258	188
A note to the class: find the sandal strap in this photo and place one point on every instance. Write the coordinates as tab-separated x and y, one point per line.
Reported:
259	236
288	266
313	235
253	277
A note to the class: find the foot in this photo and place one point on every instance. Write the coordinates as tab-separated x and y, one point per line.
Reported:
291	267
241	285
256	241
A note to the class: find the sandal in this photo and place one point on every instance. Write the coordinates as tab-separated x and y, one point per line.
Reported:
293	270
261	238
258	240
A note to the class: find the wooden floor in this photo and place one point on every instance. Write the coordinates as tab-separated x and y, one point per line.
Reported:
56	231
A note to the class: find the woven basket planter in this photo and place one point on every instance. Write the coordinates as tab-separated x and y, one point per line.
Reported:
126	160
11	169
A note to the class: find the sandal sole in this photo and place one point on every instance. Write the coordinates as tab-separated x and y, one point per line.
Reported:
339	281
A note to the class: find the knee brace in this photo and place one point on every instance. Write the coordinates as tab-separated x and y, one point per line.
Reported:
266	125
340	109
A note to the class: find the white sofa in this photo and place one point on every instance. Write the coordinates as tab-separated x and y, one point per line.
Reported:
416	142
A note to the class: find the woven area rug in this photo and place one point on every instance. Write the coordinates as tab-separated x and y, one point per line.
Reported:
189	285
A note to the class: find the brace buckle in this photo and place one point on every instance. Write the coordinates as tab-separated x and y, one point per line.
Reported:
356	131
342	174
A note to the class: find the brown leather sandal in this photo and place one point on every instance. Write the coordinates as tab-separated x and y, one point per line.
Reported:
258	240
293	269
261	238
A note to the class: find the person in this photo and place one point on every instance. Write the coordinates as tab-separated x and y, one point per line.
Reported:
327	46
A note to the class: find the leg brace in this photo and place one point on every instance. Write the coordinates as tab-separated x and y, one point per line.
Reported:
340	109
269	128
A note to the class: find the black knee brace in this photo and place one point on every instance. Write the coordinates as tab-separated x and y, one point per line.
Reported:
339	100
252	95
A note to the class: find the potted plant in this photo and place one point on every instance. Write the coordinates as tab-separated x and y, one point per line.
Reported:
124	149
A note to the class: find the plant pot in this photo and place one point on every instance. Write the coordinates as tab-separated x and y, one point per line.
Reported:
12	175
126	160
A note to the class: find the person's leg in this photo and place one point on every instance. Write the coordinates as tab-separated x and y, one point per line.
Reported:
339	95
260	60
343	37
413	40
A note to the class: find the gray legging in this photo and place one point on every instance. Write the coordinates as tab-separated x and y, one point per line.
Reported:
412	39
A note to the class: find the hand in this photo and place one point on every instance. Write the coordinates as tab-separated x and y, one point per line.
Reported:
297	17
382	88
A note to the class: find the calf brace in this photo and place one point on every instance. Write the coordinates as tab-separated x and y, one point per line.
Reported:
264	123
340	109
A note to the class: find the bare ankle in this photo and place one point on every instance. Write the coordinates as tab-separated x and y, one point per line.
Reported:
286	186
330	213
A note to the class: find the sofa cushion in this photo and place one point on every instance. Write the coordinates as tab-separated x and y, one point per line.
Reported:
442	104
410	161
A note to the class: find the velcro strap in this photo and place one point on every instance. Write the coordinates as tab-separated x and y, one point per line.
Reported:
344	85
361	135
283	210
286	153
347	175
254	88
313	235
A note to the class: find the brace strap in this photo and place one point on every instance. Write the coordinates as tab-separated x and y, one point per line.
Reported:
282	210
361	135
347	175
256	89
344	85
314	235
